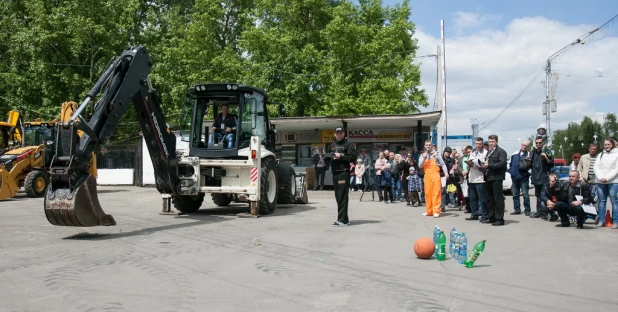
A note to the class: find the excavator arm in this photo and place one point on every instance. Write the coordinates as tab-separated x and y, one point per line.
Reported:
71	198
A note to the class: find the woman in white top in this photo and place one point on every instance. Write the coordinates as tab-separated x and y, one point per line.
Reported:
606	178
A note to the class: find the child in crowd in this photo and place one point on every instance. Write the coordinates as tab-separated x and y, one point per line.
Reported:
386	183
414	188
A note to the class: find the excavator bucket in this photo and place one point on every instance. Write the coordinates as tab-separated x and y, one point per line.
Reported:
8	185
79	207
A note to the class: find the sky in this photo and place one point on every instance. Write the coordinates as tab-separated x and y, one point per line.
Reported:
496	52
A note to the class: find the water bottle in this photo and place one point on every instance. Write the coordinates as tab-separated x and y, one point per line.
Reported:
463	248
441	247
476	252
451	245
436	233
457	246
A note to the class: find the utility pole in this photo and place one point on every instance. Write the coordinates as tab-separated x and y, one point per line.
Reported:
550	106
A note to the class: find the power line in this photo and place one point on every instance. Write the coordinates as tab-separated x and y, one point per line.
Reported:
513	101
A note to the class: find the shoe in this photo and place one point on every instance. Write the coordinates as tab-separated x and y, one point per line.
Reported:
436	215
600	224
615	226
486	221
337	223
563	225
425	214
442	209
472	218
527	213
515	212
498	223
536	215
467	211
553	218
580	226
544	217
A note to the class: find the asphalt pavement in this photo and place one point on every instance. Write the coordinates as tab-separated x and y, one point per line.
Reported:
294	260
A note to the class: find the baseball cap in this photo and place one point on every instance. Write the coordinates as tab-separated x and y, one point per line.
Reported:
339	129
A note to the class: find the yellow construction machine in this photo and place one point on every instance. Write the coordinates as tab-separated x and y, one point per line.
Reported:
27	165
11	132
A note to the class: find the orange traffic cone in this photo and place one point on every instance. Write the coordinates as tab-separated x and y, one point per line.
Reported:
608	219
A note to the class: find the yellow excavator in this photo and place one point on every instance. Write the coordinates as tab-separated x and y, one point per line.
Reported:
11	132
27	165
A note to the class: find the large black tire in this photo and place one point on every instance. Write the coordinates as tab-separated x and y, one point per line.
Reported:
221	200
188	203
287	183
36	183
268	192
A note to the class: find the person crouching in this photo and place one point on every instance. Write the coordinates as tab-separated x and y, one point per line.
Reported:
560	196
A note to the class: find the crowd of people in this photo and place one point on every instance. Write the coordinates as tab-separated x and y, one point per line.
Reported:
473	180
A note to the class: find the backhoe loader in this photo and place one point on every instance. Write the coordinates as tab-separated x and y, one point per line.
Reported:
11	132
232	158
27	165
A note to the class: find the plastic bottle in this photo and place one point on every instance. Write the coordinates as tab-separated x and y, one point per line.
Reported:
463	248
451	244
441	247
457	245
476	252
436	233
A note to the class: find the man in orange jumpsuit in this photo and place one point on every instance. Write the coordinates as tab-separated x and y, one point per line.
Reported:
431	161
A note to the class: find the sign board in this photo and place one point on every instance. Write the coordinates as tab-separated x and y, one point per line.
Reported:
299	137
328	136
380	135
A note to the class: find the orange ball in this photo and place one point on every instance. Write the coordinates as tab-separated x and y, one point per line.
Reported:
424	247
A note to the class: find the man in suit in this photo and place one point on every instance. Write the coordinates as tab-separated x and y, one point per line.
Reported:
224	125
560	196
496	170
520	178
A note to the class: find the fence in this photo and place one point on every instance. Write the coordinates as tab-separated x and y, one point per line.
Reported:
119	164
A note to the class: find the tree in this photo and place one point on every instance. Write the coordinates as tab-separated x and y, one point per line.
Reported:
580	135
335	58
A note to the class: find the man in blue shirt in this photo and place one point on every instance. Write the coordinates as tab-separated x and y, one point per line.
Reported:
520	177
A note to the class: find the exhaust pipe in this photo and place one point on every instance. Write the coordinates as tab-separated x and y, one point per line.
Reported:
77	207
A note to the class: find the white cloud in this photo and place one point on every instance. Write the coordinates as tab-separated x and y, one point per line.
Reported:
487	69
467	20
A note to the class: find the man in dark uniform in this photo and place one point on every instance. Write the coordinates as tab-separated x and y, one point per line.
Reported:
343	152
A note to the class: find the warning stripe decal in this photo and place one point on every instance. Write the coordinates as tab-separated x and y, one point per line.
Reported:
254	174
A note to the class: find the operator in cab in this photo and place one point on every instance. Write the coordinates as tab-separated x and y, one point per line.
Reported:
224	126
343	153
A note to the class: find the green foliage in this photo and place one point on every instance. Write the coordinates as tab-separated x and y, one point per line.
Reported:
580	135
317	57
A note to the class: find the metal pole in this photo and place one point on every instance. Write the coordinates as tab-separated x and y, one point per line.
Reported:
443	81
547	100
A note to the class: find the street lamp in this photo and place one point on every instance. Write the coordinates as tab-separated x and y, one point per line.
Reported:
582	144
562	151
595	138
549	105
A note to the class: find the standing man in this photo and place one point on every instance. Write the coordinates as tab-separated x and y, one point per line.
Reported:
343	153
520	177
585	167
431	162
496	169
476	182
463	167
319	164
448	162
541	162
